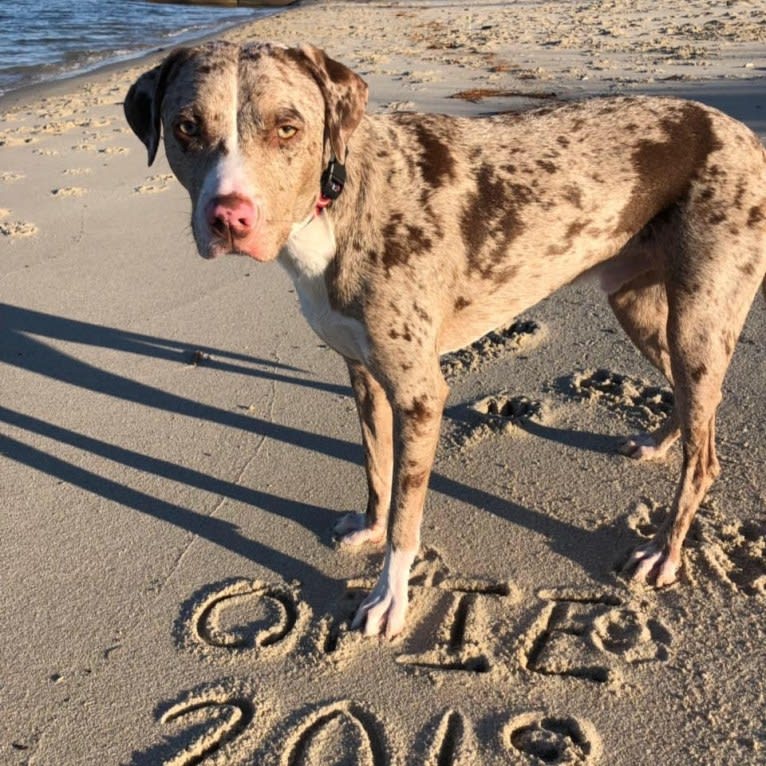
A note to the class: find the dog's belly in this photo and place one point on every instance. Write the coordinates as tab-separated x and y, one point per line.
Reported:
481	308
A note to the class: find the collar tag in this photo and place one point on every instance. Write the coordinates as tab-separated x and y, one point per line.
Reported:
332	182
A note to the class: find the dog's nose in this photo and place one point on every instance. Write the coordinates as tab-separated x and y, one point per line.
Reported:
231	214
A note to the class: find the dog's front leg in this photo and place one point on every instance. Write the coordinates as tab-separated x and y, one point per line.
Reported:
376	420
417	404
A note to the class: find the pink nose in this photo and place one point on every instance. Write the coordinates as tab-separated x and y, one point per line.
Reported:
231	214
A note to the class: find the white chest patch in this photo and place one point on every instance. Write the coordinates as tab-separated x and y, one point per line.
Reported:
308	252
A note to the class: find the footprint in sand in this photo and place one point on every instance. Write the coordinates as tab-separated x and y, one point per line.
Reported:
9	177
642	405
16	137
114	150
76	171
155	184
498	414
399	106
15	229
726	550
96	122
69	191
522	334
57	128
505	409
534	738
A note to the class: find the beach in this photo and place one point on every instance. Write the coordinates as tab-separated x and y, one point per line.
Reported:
176	446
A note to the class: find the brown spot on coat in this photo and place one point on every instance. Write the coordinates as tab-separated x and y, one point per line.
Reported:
573	195
402	241
461	303
405	334
421	313
716	218
739	195
419	411
574	228
491	221
698	372
547	166
665	169
754	216
413	480
437	165
748	269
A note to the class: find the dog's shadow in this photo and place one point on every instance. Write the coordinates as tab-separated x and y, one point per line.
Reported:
24	347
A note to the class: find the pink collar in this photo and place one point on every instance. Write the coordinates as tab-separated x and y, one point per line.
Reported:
321	204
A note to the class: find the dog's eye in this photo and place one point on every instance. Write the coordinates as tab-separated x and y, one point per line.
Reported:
187	128
286	132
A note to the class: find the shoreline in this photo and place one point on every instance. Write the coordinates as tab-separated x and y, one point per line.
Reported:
58	84
176	446
727	79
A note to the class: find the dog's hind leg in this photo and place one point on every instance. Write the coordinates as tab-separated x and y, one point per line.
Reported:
376	420
708	299
698	371
641	307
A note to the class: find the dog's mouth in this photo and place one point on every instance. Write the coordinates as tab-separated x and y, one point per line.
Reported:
212	248
217	250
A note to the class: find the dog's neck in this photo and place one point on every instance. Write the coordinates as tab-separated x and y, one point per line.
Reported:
335	246
310	248
307	258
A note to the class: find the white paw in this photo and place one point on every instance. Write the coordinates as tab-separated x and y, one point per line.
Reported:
352	531
642	447
653	564
384	611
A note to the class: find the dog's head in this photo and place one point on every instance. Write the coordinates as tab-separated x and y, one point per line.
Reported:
248	131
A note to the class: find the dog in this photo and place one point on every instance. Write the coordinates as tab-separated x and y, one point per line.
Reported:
411	235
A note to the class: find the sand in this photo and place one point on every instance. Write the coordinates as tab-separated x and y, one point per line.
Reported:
176	446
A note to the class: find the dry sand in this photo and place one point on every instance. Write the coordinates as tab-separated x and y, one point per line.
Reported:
177	445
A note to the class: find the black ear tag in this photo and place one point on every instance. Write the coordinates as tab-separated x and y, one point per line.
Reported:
333	180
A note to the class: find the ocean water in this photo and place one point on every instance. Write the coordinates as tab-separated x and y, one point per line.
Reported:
49	39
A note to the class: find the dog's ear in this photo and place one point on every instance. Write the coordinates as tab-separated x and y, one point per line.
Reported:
143	103
345	96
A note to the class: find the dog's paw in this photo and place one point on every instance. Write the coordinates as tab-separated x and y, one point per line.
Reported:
352	531
653	563
643	447
384	611
653	445
639	447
